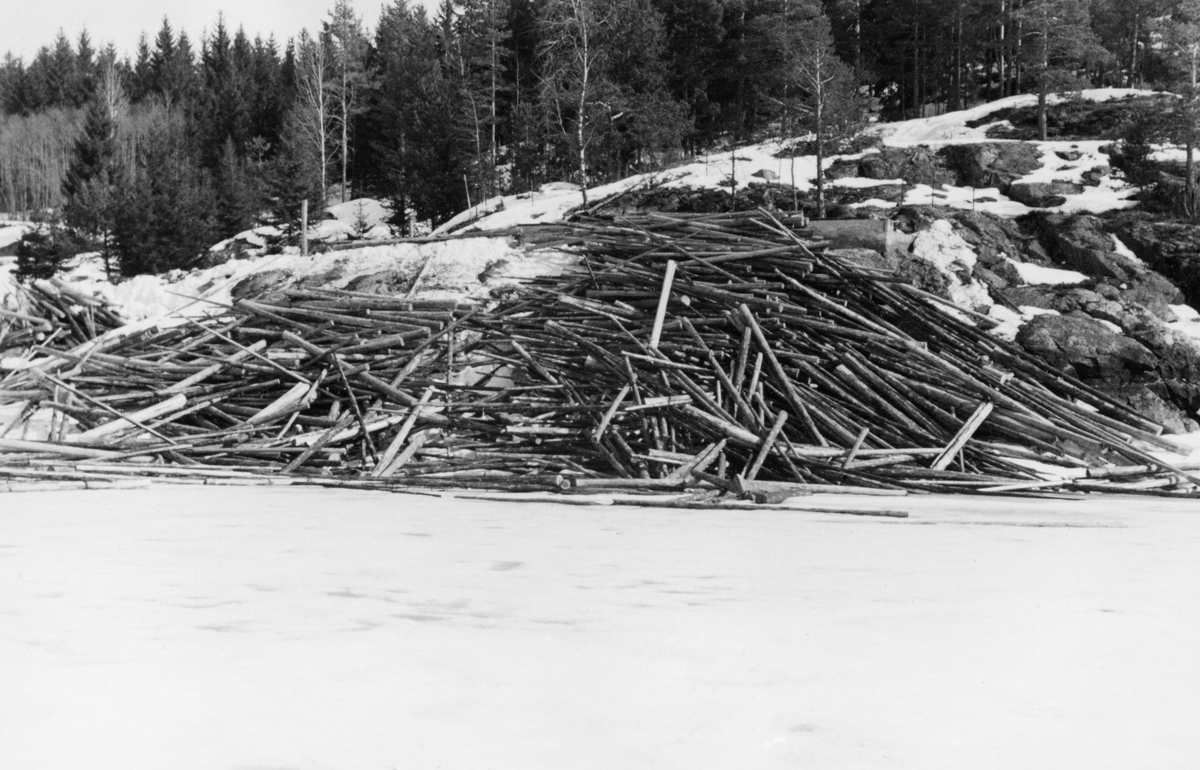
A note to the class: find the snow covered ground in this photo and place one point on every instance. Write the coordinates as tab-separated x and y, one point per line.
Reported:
554	202
214	628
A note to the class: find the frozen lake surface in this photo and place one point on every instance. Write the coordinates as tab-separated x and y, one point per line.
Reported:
269	629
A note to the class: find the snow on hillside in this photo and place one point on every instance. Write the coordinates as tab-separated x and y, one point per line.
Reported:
951	127
459	268
554	202
11	232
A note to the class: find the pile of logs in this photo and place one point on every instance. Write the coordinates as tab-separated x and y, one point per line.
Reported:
722	354
51	313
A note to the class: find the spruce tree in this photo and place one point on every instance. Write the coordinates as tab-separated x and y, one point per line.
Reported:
164	211
89	185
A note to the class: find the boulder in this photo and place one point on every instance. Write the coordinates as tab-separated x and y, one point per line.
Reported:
1081	243
388	282
1086	348
267	284
1145	401
992	164
1155	293
915	165
1170	248
1069	155
842	169
1042	195
1093	176
766	174
1031	296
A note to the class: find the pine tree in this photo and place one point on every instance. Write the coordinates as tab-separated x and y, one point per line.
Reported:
1057	43
1181	33
482	54
830	105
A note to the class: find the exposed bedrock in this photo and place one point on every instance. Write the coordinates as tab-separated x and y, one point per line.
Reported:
1171	248
1042	194
1112	330
992	164
1083	347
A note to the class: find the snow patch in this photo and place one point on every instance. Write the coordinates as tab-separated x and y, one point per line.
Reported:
951	126
1123	250
11	232
1009	322
953	257
362	212
1038	275
1188	323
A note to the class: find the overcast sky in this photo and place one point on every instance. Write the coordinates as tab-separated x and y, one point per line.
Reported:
26	25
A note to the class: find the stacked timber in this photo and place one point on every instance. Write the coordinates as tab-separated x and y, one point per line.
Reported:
723	354
52	313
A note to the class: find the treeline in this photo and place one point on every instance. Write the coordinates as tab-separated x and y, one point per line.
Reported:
435	112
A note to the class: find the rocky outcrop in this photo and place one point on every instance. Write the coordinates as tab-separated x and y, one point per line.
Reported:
1086	348
992	164
389	282
1170	248
1093	176
266	285
915	165
1144	400
1081	243
1154	292
1043	195
1112	332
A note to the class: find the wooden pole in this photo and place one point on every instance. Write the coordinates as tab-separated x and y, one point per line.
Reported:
304	227
663	299
964	434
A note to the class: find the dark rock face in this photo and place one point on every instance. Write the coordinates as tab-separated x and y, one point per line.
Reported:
1170	248
384	282
1043	194
1082	243
915	165
1032	296
1146	402
842	169
1146	364
1093	176
1154	292
992	164
1086	348
267	284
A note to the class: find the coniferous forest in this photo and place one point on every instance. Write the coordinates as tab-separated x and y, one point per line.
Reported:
154	156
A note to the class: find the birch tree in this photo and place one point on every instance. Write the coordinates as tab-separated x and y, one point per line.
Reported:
347	55
572	81
314	105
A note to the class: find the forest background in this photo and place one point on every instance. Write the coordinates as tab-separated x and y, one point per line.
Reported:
154	157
